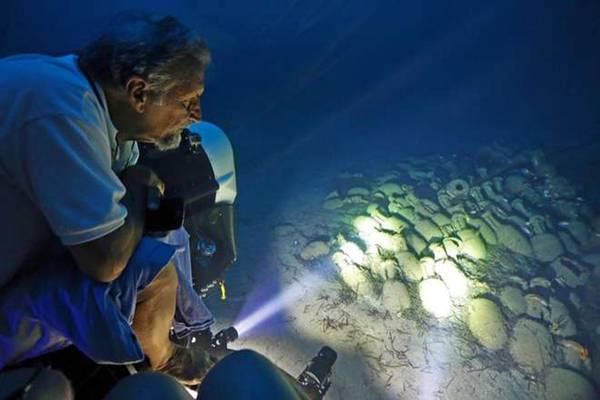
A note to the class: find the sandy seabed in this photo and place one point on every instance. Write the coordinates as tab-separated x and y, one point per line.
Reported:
401	351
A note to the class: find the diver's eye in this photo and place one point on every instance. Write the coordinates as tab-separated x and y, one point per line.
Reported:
187	104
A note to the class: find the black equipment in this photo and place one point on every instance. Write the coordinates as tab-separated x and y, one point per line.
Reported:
223	338
190	192
314	380
316	377
163	214
185	170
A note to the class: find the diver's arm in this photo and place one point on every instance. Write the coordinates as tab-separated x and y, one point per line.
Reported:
104	259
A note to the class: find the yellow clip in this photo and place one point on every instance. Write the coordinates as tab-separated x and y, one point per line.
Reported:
223	290
584	353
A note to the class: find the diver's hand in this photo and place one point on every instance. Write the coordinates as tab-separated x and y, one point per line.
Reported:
105	258
139	174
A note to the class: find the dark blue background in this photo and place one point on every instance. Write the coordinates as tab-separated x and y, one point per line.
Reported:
368	78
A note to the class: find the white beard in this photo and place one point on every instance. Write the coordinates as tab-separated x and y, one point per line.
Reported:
169	142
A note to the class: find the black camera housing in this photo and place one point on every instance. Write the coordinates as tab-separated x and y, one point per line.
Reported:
169	215
188	175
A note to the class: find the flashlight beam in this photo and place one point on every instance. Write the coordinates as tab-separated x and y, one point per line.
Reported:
310	281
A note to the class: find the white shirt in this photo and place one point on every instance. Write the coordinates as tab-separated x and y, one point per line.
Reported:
59	160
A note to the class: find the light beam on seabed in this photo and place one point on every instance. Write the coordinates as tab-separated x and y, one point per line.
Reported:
426	382
307	284
440	353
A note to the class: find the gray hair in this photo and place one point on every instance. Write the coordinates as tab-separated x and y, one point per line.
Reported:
159	49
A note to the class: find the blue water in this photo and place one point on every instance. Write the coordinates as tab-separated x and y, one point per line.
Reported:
411	77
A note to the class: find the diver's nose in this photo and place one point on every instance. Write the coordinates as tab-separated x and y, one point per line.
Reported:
196	112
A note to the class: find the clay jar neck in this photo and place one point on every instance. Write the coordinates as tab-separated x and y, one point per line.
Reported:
492	220
537	224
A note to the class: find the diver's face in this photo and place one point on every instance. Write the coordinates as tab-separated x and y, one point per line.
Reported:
169	114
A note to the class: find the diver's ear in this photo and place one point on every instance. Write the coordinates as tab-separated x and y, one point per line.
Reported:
137	93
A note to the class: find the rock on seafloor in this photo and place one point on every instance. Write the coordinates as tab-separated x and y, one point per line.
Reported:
357	281
453	277
435	298
332	204
505	256
546	247
561	322
410	266
564	384
284	229
486	323
575	355
395	297
531	345
513	299
567	275
314	250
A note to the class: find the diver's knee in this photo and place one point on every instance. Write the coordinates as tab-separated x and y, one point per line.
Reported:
164	285
148	386
43	384
167	278
246	360
51	384
246	357
246	374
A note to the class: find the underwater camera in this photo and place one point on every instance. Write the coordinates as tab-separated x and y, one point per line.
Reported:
316	377
200	182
